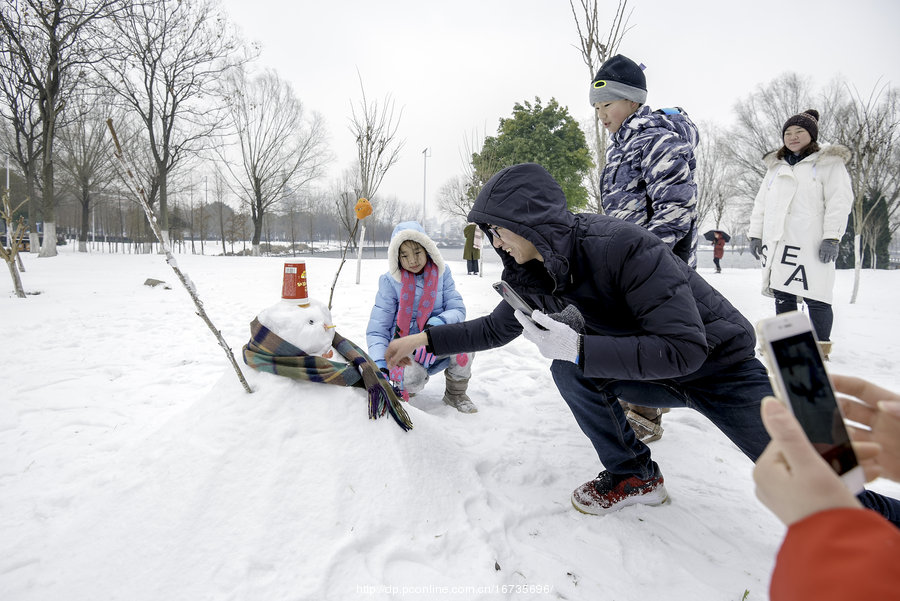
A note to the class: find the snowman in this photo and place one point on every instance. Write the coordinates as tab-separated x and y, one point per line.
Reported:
281	331
306	324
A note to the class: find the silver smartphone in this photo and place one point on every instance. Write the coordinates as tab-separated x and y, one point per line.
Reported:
513	298
798	375
515	301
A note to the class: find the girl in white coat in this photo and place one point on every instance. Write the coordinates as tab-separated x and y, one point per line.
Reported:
798	219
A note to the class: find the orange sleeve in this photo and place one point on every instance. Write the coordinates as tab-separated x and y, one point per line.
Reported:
839	554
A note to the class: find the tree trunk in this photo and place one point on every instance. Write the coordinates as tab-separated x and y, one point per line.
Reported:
857	255
17	281
33	212
85	220
48	248
48	206
163	215
257	233
362	242
222	228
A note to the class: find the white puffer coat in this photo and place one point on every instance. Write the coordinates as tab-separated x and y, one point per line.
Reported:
796	208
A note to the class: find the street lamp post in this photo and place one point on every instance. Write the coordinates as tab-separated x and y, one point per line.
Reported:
425	154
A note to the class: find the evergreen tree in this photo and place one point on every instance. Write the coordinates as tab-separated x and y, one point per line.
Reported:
548	136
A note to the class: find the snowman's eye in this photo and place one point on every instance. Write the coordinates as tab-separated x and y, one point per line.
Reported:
311	322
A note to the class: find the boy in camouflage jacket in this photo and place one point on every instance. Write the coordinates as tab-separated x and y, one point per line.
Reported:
648	179
649	174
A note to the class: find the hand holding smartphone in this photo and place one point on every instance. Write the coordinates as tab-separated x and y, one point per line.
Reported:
798	376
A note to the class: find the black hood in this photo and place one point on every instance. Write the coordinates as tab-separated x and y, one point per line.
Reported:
526	200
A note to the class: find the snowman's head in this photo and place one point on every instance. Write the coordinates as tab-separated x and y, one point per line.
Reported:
308	327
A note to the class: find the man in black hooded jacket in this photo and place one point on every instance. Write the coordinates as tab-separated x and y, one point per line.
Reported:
624	318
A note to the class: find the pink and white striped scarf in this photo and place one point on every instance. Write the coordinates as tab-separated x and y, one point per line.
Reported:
423	310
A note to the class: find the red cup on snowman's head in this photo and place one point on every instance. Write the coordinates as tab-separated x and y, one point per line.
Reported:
293	287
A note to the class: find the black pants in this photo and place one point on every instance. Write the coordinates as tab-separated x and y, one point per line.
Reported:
716	261
472	265
820	314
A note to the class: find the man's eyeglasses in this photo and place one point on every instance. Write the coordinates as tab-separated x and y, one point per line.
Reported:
493	230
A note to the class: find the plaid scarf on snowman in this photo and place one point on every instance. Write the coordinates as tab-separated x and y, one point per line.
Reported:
267	351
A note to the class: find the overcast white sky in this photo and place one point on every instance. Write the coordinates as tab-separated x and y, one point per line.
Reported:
456	68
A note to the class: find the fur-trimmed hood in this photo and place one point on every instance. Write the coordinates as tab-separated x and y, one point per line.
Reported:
827	152
411	230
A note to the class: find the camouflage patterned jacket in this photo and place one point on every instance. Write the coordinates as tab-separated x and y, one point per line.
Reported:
649	177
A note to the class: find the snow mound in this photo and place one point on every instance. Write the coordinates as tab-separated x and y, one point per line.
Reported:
289	487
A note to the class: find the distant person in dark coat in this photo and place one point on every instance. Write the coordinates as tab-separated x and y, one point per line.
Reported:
718	250
472	249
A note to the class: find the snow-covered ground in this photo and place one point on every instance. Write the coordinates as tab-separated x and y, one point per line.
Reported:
133	465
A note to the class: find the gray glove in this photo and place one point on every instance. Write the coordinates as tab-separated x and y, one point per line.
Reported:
572	317
558	341
755	247
828	251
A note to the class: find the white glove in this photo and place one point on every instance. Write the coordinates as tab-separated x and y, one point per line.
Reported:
557	341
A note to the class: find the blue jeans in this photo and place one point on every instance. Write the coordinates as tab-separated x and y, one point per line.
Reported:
730	398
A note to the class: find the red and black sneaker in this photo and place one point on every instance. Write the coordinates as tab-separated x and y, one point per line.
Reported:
607	493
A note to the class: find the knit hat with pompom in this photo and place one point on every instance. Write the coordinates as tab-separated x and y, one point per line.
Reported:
808	120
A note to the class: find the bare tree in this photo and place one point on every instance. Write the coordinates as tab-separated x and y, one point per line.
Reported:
595	50
15	233
51	40
377	147
132	138
457	195
223	212
870	128
758	130
280	148
714	177
168	62
453	197
388	216
343	196
21	133
86	159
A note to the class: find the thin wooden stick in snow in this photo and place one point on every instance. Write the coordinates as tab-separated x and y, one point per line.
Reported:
343	260
170	259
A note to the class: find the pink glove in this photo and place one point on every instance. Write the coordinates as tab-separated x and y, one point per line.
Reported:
423	357
396	377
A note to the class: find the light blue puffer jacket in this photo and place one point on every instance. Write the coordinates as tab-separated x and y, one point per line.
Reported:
448	306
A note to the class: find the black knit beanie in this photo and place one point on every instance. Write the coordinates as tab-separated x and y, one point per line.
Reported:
619	78
808	120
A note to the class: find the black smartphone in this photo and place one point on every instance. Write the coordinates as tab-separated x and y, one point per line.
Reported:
515	301
798	376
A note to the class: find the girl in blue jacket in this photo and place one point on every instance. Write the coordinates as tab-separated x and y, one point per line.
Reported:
418	292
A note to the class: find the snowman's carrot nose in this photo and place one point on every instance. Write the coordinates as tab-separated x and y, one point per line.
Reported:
328	327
